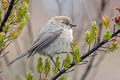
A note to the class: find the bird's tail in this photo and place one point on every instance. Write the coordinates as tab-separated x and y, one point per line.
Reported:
19	57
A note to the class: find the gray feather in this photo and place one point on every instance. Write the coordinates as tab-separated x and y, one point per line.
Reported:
44	41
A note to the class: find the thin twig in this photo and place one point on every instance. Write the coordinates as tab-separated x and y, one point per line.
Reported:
104	47
102	50
70	71
4	54
81	63
114	28
92	55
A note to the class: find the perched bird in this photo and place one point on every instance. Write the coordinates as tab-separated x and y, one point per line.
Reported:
54	38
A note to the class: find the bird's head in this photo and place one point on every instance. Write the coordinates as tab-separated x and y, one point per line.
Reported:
63	21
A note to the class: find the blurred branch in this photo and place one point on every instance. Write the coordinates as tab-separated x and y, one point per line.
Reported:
7	14
85	55
59	7
29	28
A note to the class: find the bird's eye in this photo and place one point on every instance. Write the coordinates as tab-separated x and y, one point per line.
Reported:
66	23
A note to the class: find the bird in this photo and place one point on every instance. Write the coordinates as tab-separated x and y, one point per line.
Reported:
54	38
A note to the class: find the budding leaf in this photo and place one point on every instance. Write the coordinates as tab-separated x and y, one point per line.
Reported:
21	25
47	67
21	12
30	76
6	27
76	55
55	69
67	61
0	14
45	78
40	65
107	35
88	37
118	24
2	36
2	44
27	15
114	47
114	44
94	29
106	21
11	16
4	4
27	1
13	34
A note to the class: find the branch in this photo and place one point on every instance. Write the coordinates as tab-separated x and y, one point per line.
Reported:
85	55
103	5
7	14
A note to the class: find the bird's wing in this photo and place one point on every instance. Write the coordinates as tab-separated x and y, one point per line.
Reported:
43	40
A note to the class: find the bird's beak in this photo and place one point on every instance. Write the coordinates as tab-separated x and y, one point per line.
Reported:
73	25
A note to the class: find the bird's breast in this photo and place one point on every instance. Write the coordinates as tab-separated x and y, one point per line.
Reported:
60	44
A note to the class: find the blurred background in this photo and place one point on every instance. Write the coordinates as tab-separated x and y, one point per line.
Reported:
104	66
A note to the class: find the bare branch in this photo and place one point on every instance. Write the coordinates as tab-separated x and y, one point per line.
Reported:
85	55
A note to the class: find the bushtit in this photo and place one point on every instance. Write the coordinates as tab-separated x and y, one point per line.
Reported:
54	38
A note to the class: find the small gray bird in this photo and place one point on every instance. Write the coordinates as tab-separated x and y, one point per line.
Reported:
54	38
